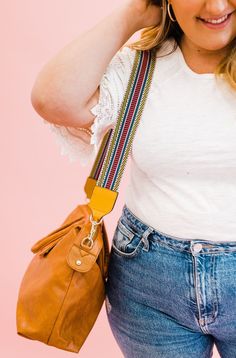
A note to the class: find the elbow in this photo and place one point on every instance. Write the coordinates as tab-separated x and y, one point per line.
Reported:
37	103
45	101
55	104
37	98
45	107
53	110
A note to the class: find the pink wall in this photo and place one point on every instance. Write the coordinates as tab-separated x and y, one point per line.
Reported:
39	187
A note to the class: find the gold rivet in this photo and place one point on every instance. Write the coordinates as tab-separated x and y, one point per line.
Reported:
78	262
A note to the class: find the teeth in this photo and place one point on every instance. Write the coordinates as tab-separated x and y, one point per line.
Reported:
218	21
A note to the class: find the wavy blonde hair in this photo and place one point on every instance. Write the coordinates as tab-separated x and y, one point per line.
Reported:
154	36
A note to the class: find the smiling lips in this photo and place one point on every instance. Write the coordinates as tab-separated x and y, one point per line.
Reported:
215	21
218	21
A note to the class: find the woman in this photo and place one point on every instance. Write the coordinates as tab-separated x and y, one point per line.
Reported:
171	290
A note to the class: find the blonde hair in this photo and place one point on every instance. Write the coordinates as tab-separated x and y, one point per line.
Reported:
155	36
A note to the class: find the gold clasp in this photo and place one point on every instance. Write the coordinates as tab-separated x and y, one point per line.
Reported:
87	241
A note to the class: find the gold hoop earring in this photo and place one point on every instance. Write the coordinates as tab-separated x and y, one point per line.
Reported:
169	13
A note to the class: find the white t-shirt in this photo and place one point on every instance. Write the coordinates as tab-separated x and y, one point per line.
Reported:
183	159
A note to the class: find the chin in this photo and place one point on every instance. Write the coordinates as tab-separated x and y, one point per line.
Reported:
215	45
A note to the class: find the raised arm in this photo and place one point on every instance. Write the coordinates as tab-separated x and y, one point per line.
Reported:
68	85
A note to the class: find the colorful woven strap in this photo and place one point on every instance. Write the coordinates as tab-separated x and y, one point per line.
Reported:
113	153
97	166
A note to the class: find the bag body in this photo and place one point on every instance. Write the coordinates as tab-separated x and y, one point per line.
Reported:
63	288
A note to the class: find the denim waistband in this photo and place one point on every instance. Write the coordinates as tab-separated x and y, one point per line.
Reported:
193	246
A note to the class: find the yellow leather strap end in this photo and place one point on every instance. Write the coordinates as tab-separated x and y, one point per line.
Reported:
89	186
102	202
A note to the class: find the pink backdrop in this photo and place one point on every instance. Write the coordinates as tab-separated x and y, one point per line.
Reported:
39	187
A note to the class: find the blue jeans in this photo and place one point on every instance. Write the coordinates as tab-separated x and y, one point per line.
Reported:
169	297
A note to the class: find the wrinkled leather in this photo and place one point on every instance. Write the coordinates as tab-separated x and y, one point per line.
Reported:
59	301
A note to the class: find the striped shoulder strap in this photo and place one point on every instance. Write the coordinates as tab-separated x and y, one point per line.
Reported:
103	183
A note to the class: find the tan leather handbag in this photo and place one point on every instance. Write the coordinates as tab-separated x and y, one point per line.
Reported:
63	288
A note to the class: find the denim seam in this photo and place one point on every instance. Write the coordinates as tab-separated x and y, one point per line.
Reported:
145	238
127	254
213	283
219	252
125	231
201	319
171	246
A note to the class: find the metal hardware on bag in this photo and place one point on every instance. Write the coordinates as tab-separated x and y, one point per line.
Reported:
78	262
88	242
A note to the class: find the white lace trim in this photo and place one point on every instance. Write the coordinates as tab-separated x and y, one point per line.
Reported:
102	111
112	90
73	143
83	146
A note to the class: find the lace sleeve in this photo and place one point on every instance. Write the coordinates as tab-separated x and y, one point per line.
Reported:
82	144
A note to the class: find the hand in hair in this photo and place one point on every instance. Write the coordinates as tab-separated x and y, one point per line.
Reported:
149	11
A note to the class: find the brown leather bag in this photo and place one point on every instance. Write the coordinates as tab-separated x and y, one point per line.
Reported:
63	288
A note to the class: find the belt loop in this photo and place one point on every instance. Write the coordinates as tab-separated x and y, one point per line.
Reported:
145	238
